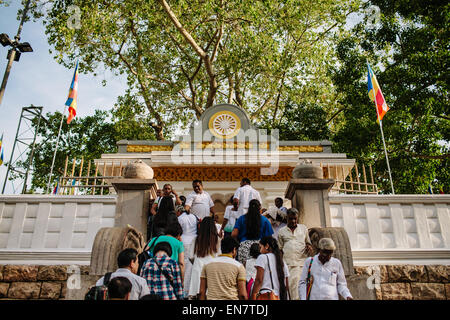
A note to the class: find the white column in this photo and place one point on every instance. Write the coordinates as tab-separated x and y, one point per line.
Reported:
94	223
398	225
423	231
348	218
41	225
15	233
444	222
373	224
67	225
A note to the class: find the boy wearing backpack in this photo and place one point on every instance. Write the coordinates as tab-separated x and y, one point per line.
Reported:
163	274
128	263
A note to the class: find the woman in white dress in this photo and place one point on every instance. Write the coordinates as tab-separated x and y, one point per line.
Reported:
203	249
188	223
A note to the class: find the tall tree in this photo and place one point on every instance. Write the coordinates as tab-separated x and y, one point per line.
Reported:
181	57
409	52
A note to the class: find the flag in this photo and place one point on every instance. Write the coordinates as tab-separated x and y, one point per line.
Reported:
72	191
55	191
72	98
375	94
1	150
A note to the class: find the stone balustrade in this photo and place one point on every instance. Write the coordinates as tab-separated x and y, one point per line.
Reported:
383	229
395	229
52	229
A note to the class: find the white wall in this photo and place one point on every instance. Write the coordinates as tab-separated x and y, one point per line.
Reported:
44	229
400	229
395	228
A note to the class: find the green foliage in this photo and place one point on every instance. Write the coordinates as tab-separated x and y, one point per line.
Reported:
87	137
304	122
256	54
409	54
290	64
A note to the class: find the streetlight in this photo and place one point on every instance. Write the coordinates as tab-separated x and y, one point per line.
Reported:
15	52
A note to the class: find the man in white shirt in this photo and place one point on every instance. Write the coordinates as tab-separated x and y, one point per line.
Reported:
326	273
166	191
244	194
229	219
199	202
128	264
295	244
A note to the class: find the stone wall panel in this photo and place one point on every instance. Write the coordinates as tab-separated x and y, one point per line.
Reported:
396	291
407	273
52	273
370	270
428	291
24	290
4	286
438	273
50	290
19	273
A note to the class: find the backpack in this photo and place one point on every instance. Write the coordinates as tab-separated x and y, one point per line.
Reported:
145	255
99	292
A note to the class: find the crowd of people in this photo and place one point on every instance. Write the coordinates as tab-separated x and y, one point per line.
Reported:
254	254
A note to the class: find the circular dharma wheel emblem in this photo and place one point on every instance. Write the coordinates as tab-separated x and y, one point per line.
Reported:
224	124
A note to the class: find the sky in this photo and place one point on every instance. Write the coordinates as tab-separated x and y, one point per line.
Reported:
37	79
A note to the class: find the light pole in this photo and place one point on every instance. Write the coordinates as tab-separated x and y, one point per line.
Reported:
14	53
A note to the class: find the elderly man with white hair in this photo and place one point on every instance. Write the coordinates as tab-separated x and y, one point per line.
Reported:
323	276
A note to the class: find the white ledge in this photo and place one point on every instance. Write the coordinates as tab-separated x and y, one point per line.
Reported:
42	198
389	199
41	257
401	256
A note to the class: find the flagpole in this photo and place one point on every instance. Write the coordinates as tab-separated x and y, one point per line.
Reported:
387	159
384	145
56	149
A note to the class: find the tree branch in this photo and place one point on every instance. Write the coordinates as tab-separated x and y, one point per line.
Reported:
335	114
442	117
219	37
425	156
182	30
208	62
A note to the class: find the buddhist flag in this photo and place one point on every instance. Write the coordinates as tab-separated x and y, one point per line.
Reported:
55	190
1	150
72	99
375	94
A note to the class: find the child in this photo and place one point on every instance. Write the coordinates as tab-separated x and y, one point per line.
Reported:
218	225
229	218
250	266
163	274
